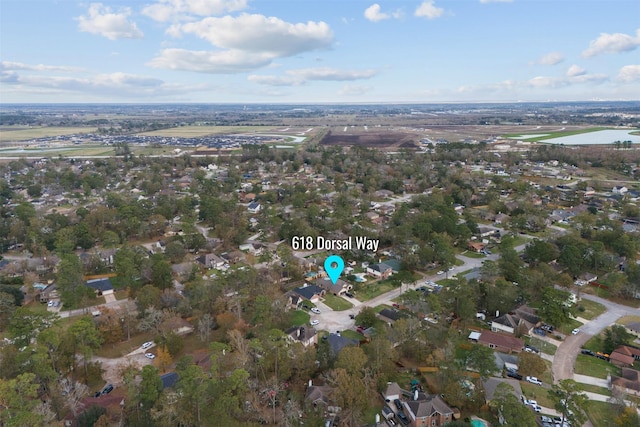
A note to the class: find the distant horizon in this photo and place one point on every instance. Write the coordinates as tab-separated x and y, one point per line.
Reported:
315	52
8	104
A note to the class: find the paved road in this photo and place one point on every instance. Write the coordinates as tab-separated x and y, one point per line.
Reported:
567	352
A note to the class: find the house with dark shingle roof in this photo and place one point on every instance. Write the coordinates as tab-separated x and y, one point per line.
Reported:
338	342
169	379
309	292
305	335
523	317
101	286
428	411
340	287
389	315
380	270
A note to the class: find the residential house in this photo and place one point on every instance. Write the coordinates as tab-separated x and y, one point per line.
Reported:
320	396
392	392
633	328
476	246
499	342
338	342
305	335
428	411
254	207
47	292
338	288
309	292
379	270
628	382
253	248
625	355
211	261
169	379
388	315
374	217
101	286
585	279
491	384
619	190
523	319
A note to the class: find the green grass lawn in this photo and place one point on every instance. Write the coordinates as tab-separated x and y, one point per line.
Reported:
536	392
592	309
371	290
348	333
299	318
470	254
337	303
569	326
592	366
544	346
601	414
595	389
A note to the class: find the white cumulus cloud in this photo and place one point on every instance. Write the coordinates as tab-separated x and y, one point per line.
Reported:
373	13
575	71
100	19
243	43
214	62
551	58
612	43
429	10
629	73
168	10
258	33
9	65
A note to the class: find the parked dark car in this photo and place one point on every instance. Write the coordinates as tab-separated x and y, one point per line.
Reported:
97	394
398	404
514	375
348	294
107	389
539	332
587	352
403	418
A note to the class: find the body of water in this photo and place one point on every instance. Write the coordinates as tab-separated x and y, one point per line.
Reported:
596	138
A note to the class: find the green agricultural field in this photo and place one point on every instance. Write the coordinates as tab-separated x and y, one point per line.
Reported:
10	133
550	135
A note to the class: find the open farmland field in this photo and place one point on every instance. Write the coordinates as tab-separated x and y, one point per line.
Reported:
196	131
371	138
15	134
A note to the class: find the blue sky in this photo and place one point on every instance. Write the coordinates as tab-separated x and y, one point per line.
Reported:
329	51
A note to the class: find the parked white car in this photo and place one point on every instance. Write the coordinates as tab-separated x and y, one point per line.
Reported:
534	380
314	322
147	345
315	310
150	355
576	331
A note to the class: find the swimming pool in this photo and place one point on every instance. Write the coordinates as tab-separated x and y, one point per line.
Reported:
478	423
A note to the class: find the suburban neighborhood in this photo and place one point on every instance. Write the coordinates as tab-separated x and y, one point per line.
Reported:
498	283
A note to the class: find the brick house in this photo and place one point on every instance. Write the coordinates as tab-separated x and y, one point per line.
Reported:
428	411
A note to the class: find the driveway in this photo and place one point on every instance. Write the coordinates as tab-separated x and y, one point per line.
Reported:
565	357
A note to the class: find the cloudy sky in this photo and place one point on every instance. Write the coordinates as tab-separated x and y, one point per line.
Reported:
306	51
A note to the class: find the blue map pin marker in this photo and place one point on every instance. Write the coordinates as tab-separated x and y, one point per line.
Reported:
334	272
